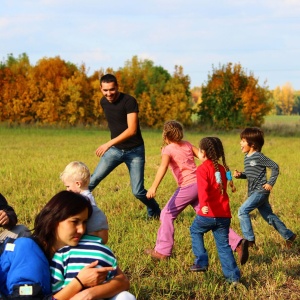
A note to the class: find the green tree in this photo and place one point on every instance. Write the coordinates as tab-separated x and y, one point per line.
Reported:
231	99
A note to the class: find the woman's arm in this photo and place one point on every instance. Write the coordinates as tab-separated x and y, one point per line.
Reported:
107	289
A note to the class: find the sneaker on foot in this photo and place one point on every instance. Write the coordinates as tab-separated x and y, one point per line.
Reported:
242	251
197	268
290	241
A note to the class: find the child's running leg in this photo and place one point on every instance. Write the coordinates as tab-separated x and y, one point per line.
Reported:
199	227
239	245
228	263
254	201
234	239
178	202
267	213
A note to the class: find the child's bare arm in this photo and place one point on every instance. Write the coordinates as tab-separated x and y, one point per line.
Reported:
165	159
237	174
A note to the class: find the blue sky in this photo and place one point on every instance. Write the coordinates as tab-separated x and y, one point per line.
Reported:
262	35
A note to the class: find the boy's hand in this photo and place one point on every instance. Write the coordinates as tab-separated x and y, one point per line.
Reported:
267	187
237	174
204	210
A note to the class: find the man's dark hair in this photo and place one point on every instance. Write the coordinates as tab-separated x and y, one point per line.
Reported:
107	78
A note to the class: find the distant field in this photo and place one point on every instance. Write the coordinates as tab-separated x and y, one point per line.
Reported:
32	160
282	125
295	120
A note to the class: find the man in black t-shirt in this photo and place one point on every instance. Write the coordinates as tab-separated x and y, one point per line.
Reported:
126	144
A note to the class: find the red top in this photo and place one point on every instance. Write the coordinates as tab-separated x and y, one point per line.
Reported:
209	193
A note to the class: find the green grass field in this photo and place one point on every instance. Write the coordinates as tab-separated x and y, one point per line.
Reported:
32	160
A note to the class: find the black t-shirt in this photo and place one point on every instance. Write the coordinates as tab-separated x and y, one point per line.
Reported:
116	115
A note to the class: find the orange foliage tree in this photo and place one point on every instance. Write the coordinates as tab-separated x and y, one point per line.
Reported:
284	98
58	92
231	99
15	99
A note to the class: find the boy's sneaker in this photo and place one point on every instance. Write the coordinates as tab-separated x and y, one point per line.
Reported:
197	268
290	241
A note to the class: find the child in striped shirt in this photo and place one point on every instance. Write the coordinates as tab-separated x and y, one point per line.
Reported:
259	187
68	261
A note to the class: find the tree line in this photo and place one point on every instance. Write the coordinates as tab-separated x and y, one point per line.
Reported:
54	91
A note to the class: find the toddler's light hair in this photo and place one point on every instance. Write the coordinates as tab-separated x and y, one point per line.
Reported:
77	171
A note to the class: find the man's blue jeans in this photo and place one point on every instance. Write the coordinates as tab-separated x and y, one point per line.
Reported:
261	202
220	229
135	162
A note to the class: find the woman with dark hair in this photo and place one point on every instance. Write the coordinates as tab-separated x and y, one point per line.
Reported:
59	231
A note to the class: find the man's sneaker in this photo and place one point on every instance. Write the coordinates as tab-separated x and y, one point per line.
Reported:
242	251
197	268
290	241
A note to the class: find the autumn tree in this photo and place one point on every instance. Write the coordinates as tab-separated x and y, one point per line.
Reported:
15	101
54	91
284	98
231	98
160	96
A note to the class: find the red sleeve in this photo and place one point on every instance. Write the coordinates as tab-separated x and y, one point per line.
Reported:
202	182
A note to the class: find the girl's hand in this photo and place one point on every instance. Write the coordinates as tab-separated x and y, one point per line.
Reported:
151	193
237	174
91	276
204	210
267	187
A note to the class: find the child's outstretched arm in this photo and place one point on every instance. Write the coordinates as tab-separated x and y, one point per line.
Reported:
196	152
239	175
165	159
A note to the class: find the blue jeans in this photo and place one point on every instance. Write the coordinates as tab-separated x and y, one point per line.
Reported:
220	229
261	202
135	162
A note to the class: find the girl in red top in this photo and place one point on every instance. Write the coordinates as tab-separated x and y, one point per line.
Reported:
214	213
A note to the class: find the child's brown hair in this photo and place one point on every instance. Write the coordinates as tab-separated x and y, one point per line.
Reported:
172	131
214	150
254	137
